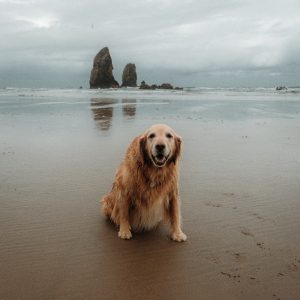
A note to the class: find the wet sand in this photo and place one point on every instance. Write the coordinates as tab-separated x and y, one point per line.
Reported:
240	190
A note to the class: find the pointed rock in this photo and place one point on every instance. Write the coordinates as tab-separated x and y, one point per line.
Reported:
101	74
129	75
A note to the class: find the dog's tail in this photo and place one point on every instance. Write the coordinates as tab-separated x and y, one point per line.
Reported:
107	205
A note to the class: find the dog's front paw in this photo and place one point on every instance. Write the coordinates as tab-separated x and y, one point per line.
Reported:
178	236
125	234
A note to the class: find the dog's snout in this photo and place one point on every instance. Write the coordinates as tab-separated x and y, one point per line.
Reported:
160	147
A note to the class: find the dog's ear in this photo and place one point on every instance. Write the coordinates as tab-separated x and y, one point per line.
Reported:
177	150
144	156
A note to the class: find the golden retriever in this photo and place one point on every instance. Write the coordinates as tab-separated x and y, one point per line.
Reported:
145	190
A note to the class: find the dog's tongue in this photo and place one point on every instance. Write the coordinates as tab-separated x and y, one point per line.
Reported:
160	158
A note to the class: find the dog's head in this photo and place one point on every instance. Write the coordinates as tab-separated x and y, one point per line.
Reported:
160	145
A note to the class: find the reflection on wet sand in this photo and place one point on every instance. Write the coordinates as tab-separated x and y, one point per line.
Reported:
103	112
129	107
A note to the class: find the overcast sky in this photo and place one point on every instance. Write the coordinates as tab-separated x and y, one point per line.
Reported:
185	42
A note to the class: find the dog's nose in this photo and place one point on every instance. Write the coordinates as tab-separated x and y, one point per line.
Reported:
160	147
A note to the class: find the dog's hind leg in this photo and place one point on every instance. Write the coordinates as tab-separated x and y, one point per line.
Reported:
107	204
116	207
120	215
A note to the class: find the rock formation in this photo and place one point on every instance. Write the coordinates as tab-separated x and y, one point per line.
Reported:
101	74
129	76
281	88
163	86
145	86
166	86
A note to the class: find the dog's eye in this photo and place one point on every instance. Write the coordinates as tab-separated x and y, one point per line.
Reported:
151	136
169	135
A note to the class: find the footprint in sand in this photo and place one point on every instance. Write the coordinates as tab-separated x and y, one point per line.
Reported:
293	267
261	245
213	204
234	276
213	259
247	232
276	297
259	217
228	194
239	257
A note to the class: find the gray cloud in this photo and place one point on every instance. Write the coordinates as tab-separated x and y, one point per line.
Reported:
209	42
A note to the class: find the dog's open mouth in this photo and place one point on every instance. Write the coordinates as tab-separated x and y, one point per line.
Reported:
159	160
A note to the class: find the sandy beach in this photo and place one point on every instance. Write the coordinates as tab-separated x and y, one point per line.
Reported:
240	192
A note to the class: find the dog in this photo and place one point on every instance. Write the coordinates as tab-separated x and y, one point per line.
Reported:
146	189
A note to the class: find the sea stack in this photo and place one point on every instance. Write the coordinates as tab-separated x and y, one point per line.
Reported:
129	76
101	74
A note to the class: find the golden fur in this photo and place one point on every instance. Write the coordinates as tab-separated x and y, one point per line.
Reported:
145	190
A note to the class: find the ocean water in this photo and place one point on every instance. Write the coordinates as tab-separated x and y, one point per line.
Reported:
193	93
114	107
